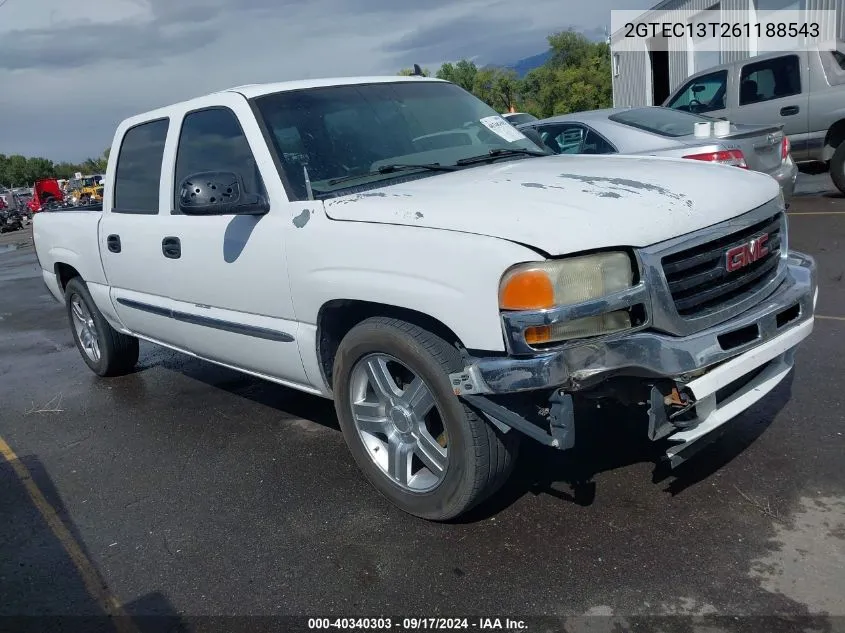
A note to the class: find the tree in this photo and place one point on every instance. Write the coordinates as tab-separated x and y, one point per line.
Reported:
569	48
576	77
19	170
463	73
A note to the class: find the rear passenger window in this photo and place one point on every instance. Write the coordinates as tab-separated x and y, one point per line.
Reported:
138	172
212	140
769	79
595	144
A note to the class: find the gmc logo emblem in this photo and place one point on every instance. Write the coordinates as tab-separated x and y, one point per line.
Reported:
748	253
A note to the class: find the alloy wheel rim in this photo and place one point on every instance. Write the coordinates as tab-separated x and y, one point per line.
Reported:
86	332
399	423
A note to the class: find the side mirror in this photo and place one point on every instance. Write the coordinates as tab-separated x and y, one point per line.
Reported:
219	193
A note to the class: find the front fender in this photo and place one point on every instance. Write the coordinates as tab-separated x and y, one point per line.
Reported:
450	276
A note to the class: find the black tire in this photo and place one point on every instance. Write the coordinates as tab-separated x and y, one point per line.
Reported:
480	457
118	352
837	167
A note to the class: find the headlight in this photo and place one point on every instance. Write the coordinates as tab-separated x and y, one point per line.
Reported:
563	282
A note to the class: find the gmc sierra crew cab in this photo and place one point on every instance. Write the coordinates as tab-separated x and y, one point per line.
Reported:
395	245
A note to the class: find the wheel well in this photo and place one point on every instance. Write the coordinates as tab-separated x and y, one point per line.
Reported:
336	318
64	273
836	134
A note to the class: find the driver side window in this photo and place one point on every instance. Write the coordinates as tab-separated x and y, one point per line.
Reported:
212	140
702	94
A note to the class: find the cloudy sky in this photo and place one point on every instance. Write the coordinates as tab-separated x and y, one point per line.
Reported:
70	71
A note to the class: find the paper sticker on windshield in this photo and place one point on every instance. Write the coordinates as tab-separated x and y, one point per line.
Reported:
500	127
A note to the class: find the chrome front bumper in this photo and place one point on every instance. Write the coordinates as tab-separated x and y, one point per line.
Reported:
708	377
651	354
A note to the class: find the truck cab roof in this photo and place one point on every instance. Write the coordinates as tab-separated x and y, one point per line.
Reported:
251	91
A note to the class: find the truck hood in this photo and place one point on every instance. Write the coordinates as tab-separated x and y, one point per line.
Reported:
565	204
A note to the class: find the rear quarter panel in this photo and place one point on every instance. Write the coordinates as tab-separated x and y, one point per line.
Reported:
70	238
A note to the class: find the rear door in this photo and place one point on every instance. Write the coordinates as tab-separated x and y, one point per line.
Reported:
130	235
774	91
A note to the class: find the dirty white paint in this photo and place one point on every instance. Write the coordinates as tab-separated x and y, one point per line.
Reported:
807	563
567	204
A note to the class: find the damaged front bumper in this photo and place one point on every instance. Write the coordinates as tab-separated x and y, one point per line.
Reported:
697	382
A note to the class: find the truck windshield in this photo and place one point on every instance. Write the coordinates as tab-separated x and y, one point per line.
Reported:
341	131
658	120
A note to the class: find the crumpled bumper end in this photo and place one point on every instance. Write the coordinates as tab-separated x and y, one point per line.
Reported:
697	383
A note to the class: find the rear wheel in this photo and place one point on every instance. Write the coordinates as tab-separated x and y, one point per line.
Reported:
837	167
105	350
425	450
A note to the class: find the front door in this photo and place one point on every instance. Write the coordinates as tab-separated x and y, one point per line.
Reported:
228	273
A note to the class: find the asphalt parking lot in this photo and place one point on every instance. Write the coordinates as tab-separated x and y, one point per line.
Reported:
186	490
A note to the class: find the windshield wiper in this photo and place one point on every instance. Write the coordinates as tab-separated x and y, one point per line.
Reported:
389	169
493	154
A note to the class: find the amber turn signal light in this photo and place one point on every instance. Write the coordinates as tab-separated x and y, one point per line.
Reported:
530	289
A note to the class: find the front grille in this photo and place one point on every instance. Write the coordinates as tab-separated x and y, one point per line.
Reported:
699	281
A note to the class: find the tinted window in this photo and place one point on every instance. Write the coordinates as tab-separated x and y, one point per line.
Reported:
212	140
571	138
770	79
595	144
662	121
563	138
342	131
138	171
702	94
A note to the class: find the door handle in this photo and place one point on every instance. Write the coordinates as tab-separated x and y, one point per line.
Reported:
789	110
113	243
171	247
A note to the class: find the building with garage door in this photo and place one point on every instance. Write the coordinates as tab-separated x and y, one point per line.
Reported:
646	70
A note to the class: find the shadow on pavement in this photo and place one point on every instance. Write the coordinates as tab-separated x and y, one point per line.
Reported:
42	588
607	438
610	438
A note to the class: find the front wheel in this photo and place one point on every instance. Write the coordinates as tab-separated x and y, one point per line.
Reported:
105	350
421	447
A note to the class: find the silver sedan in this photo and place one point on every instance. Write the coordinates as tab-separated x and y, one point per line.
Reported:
657	131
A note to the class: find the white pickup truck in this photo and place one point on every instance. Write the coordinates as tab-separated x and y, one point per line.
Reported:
395	245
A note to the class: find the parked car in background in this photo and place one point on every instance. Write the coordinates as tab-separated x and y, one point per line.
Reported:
517	118
10	217
656	131
46	192
802	90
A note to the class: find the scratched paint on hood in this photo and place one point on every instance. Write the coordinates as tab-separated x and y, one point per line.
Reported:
565	204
